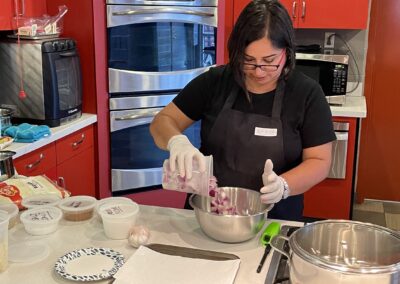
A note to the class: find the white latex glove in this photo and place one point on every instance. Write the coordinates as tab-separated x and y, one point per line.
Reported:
273	185
182	153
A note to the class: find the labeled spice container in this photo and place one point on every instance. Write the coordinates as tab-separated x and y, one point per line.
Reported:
111	200
40	200
199	183
41	220
78	208
12	211
118	219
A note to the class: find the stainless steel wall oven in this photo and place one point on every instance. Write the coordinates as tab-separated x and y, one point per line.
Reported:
154	49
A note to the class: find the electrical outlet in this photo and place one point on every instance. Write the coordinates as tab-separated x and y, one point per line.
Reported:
331	43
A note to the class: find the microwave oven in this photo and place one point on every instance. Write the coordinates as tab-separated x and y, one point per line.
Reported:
50	72
329	70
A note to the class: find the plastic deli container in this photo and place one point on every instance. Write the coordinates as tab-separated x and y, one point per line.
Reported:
78	208
199	183
41	220
40	200
12	211
111	200
118	219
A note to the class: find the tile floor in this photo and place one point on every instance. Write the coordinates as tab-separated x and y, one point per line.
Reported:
382	213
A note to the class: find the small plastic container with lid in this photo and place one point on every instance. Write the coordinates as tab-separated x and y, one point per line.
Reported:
41	220
199	183
111	200
118	219
78	208
12	211
40	200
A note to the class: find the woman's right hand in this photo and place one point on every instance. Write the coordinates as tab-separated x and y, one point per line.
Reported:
182	153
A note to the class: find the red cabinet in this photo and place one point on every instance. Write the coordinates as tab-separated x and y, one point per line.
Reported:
317	14
70	159
338	14
40	162
332	198
75	162
26	9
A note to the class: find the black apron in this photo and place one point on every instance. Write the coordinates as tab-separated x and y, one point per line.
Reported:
241	143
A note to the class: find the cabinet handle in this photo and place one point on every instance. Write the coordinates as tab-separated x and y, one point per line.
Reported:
19	7
294	8
77	143
61	182
303	11
36	163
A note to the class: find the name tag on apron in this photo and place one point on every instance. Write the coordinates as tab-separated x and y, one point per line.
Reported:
266	132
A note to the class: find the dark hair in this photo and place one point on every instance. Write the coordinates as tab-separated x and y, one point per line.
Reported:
261	18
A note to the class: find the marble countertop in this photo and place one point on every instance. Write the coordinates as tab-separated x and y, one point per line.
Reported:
168	226
355	106
56	133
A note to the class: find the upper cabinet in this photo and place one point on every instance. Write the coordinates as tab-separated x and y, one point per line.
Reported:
318	14
338	14
26	9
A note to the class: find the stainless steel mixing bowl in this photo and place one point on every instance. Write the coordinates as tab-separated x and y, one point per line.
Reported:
232	228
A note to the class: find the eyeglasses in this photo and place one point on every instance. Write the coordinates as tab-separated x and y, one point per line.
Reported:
264	67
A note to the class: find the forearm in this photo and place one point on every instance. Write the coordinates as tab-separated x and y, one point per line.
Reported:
170	121
162	129
311	171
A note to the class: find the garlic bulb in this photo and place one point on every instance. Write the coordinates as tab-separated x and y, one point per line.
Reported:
138	235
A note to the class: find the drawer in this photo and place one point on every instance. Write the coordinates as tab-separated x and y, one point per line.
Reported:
37	162
74	144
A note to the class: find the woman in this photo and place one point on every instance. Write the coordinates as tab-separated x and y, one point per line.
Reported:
260	118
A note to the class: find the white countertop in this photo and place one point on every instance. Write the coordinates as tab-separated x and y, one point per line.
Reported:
167	226
56	133
355	106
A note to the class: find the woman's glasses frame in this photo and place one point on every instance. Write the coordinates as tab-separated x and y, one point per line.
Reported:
264	67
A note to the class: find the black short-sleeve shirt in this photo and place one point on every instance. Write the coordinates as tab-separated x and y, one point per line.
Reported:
305	115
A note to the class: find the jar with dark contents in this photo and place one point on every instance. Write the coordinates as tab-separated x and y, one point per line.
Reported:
78	208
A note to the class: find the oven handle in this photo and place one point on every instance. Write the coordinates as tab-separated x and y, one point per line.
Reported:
150	114
164	10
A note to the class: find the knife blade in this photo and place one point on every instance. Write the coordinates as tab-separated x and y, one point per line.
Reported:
272	229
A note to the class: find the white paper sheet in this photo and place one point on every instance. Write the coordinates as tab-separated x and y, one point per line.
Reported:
146	266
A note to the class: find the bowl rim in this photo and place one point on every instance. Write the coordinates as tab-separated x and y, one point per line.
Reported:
191	203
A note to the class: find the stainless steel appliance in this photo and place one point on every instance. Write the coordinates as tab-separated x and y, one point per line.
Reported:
51	76
159	45
339	150
329	70
154	49
136	162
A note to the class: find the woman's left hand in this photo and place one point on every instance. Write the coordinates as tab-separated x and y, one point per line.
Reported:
272	191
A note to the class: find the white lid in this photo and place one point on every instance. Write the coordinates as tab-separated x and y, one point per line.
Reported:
27	251
41	215
10	208
77	203
112	200
119	210
41	200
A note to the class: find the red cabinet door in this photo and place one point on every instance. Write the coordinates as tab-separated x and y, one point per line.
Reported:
26	9
338	14
78	173
38	162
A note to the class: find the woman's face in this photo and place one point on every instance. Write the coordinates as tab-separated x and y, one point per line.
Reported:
263	65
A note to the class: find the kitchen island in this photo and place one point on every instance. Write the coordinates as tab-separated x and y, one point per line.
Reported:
169	226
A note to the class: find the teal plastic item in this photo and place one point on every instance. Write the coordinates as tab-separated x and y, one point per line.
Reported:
272	229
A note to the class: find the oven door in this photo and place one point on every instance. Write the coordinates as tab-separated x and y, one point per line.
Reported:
153	48
136	162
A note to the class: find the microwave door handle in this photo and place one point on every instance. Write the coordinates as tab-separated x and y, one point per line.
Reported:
68	54
164	10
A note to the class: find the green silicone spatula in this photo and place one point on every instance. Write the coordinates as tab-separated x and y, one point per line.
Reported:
272	229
